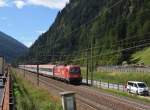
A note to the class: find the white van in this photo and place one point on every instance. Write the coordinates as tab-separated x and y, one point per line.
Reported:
1	83
136	87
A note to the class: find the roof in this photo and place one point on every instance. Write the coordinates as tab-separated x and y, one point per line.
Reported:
135	82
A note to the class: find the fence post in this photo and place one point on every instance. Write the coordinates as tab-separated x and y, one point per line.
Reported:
113	86
100	83
96	84
24	71
108	84
38	75
118	86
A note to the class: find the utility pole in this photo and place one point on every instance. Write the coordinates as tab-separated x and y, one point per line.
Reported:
37	66
92	61
87	68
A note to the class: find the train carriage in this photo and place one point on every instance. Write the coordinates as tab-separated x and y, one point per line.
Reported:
69	73
46	69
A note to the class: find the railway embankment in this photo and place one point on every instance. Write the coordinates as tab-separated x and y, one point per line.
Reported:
30	97
87	98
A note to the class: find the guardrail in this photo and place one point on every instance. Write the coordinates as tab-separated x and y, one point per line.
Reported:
3	97
8	99
1	104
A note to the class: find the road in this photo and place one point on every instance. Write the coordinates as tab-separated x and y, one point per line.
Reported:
1	96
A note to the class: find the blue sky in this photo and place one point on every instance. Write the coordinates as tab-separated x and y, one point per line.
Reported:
25	20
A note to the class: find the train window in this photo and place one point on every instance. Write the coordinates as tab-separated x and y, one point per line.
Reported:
75	70
46	69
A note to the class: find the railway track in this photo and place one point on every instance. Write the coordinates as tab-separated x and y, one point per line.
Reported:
86	101
91	99
82	104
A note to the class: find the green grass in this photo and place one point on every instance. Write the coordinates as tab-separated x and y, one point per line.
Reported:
125	94
142	56
116	77
29	97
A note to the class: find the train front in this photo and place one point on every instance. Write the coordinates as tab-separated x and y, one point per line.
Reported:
75	74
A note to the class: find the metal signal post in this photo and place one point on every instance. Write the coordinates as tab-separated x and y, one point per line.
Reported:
37	74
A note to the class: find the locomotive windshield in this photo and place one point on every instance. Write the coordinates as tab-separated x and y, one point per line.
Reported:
75	70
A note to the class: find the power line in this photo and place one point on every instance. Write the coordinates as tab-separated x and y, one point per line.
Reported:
68	56
109	53
113	44
98	47
117	51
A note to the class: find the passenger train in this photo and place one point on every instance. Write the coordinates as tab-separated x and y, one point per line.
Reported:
69	73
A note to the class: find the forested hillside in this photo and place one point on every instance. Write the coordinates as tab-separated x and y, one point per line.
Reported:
11	48
108	25
142	56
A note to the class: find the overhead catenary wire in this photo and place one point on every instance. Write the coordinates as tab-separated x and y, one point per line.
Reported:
73	55
107	53
99	47
112	45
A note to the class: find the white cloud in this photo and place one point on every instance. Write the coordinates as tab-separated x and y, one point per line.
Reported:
28	44
19	3
53	4
3	3
59	4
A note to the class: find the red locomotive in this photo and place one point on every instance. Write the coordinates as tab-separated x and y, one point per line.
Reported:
69	73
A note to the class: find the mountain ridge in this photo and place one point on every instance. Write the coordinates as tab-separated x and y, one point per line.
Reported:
10	48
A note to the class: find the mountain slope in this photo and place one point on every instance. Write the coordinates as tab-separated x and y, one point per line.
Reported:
102	23
142	56
10	48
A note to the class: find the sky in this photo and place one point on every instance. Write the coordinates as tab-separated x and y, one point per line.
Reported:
25	20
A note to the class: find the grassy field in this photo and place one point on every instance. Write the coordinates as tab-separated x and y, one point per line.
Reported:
126	95
29	97
117	77
142	56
